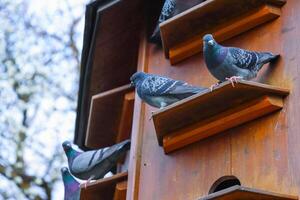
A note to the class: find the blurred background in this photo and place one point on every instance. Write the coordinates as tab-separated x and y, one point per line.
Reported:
40	47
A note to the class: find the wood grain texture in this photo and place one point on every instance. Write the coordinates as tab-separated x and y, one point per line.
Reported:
262	154
230	118
105	117
112	57
206	105
224	31
209	17
102	189
240	192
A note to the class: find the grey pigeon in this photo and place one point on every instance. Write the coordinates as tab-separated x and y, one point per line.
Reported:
230	62
94	164
160	91
72	189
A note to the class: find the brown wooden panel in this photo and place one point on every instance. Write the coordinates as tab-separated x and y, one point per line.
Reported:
156	171
112	55
203	18
240	192
105	116
205	105
120	191
125	124
228	119
224	31
102	189
262	154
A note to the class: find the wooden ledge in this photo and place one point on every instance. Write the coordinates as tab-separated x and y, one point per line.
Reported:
110	117
209	113
120	191
233	17
240	192
103	189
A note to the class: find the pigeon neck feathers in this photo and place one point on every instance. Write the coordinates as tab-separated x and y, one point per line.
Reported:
72	154
70	183
215	55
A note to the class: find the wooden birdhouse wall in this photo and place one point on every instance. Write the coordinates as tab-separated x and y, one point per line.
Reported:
263	153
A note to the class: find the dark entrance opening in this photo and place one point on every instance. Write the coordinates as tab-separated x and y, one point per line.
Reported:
223	183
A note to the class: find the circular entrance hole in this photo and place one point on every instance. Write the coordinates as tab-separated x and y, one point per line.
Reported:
223	183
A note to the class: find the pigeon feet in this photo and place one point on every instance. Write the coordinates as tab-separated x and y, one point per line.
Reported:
234	79
212	87
87	182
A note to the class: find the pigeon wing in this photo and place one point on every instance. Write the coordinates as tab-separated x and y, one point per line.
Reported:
167	10
87	160
243	59
162	86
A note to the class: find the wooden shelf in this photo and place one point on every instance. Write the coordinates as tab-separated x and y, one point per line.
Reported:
109	55
223	18
102	189
240	192
110	118
208	113
120	191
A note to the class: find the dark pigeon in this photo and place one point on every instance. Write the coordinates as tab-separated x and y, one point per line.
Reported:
170	9
160	91
91	165
166	13
230	62
72	187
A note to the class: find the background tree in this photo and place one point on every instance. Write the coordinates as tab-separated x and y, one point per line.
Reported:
40	44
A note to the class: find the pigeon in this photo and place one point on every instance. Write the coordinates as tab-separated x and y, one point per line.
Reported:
72	187
94	164
159	91
231	63
166	13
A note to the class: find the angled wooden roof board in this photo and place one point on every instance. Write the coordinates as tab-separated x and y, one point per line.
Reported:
104	119
109	55
102	189
209	17
240	192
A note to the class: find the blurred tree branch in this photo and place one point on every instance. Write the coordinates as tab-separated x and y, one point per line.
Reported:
35	61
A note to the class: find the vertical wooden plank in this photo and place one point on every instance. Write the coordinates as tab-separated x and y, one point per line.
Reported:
125	124
137	129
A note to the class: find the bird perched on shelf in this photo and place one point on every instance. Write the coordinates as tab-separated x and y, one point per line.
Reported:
166	13
160	91
91	165
72	187
231	63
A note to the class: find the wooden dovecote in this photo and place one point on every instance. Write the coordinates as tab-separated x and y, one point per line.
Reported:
254	135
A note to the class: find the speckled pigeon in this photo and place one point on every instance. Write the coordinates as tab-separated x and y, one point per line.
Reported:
72	189
91	165
170	9
160	91
230	63
166	13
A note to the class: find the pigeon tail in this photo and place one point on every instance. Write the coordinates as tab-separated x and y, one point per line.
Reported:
265	57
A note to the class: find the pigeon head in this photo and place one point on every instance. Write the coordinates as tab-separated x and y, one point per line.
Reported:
65	171
69	181
70	152
67	146
137	77
209	41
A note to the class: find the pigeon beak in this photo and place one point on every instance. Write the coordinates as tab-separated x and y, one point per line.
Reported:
211	42
131	83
